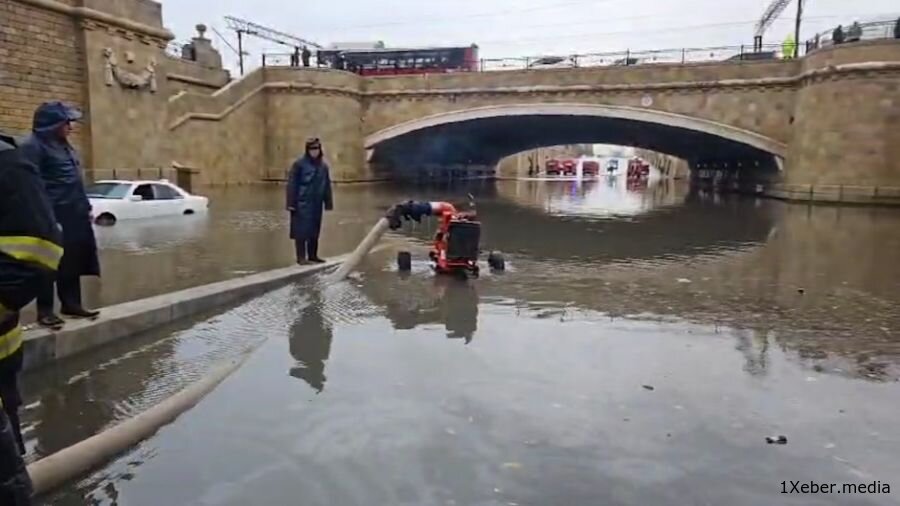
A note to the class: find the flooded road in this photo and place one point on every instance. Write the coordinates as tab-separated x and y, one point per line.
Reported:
640	348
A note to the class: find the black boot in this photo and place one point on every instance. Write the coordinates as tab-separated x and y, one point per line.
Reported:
79	312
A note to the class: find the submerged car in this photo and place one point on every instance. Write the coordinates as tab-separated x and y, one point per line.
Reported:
114	200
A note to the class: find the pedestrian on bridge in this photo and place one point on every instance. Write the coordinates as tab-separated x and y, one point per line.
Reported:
308	193
29	252
305	55
837	36
855	32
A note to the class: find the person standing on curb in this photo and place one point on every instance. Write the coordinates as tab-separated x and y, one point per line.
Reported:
308	192
48	148
29	252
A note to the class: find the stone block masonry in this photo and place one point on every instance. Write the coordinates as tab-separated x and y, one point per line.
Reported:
825	122
41	59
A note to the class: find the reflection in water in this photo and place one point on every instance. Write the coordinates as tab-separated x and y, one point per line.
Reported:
421	300
749	317
310	342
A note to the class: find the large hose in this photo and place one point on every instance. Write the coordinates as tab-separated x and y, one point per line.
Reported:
364	247
52	471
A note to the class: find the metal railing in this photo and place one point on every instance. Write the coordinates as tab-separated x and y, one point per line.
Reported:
677	56
869	31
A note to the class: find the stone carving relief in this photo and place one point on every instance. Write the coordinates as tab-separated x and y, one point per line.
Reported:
145	79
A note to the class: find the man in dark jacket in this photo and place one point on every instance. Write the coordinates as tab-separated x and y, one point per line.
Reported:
837	36
305	55
49	150
897	29
29	251
308	192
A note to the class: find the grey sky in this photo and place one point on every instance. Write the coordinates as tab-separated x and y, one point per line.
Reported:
518	27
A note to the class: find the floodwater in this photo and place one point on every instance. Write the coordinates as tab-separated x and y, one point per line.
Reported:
639	349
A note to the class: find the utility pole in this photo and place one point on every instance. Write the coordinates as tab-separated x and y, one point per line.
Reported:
240	35
797	28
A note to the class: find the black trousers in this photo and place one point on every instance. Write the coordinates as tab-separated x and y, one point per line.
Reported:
67	287
10	394
307	248
15	484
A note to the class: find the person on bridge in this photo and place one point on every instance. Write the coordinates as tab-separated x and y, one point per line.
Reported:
837	36
305	55
308	192
854	33
789	47
29	252
48	148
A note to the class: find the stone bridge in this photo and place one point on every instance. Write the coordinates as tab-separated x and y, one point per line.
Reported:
818	128
785	124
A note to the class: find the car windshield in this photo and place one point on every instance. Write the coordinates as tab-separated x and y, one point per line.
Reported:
108	190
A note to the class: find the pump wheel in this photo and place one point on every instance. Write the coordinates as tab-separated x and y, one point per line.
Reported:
496	261
404	261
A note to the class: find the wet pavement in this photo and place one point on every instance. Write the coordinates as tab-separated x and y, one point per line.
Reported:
639	349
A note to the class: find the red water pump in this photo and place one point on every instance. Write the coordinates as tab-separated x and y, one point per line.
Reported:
456	244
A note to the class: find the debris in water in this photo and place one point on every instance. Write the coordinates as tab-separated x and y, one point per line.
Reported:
801	291
648	387
684	280
776	440
511	465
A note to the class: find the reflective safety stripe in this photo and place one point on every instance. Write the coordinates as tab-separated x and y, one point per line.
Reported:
32	250
10	342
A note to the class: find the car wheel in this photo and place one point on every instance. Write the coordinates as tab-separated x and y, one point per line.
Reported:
105	220
496	261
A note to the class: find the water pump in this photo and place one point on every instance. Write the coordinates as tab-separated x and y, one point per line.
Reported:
456	245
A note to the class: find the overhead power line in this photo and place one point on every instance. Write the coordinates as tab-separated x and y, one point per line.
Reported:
631	32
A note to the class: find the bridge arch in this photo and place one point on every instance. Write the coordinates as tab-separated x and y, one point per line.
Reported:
487	134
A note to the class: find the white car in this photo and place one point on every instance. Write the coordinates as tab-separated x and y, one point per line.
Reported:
114	200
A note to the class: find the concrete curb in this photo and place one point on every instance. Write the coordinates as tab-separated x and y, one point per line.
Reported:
43	347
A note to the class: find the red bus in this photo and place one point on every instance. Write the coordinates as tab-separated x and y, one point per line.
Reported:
392	61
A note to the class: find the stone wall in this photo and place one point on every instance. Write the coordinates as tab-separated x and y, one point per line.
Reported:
226	150
836	110
755	96
189	76
314	103
847	144
41	59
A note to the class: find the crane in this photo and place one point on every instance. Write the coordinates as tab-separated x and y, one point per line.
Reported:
771	14
243	27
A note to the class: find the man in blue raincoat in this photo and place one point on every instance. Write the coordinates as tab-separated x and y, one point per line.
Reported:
49	150
308	193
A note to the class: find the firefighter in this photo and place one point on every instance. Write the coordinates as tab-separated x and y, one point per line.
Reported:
29	250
